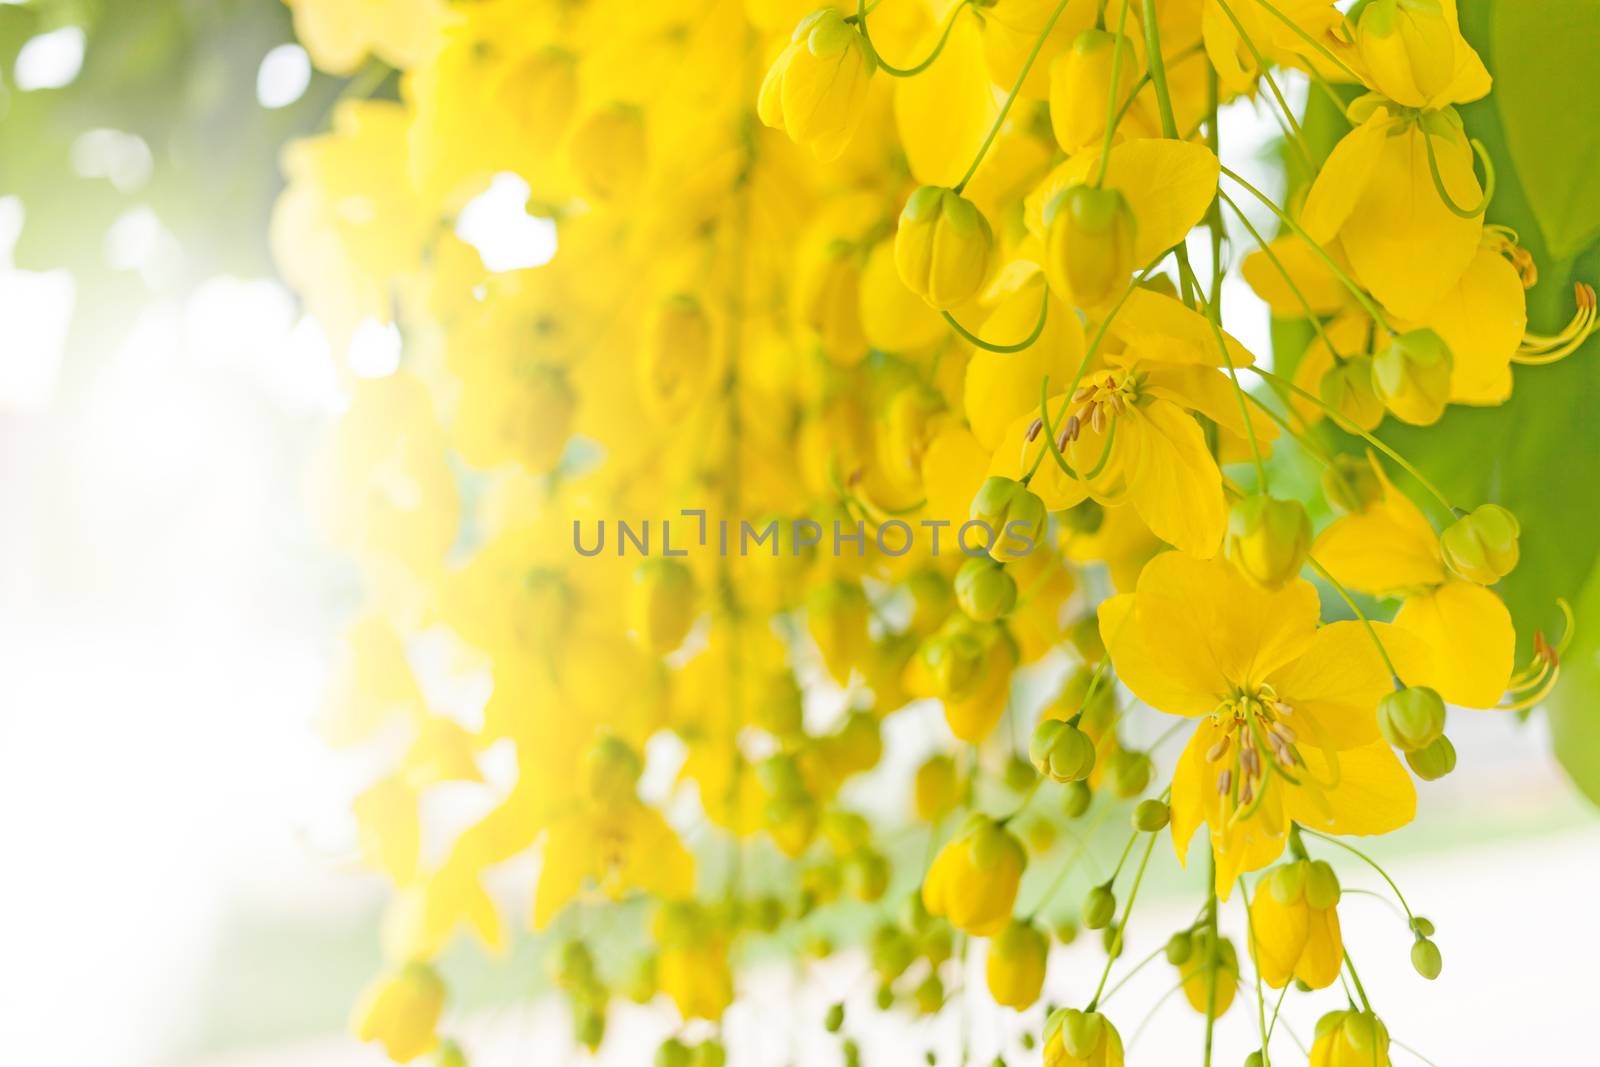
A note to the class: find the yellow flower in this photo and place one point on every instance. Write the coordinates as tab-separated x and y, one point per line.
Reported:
1350	1039
1198	967
1375	196
973	881
692	967
610	151
814	90
1294	925
339	34
619	846
1461	641
1079	80
1288	728
1089	249
663	604
1415	55
1016	965
1075	1038
401	1011
943	246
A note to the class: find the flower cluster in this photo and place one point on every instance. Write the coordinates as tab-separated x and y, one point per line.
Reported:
929	261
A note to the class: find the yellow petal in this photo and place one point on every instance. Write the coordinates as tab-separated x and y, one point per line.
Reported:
1169	186
1482	319
1000	387
894	318
1323	955
1160	328
944	113
953	468
1403	243
1279	935
1343	180
1335	687
1371	794
1389	548
1322	289
1172	479
1468	630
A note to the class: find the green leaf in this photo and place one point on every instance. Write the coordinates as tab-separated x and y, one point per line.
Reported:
1574	714
1542	55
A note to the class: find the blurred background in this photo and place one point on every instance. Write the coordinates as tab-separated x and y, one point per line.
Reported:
178	886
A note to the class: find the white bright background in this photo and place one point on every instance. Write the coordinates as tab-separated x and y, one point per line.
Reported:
165	627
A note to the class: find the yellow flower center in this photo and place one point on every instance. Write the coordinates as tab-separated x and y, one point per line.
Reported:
1107	395
1256	740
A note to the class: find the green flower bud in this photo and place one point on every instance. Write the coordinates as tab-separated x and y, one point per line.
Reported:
1268	539
1098	907
985	590
1411	718
1082	692
943	246
852	1053
835	1017
929	995
574	967
710	1053
1075	799
1111	940
1014	515
1322	885
674	1053
1020	774
1425	958
1412	376
1180	946
956	661
1065	931
450	1055
1482	546
937	788
1129	773
1422	926
1061	751
1089	243
1433	761
885	997
1347	388
890	951
1150	816
1085	518
1086	639
1287	883
1254	1059
1350	484
589	1025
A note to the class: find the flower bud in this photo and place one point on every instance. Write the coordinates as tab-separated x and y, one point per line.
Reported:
1254	1059
974	878
1425	958
929	995
1347	388
984	589
1129	773
1061	751
1089	244
611	769
1075	1038
1075	799
1016	965
956	663
608	151
1082	692
1422	926
943	246
1014	515
1180	946
937	788
450	1054
891	951
1065	931
1433	761
1150	816
1098	907
815	90
674	1053
835	1017
828	302
1351	1039
1079	79
1412	376
588	1025
663	604
1268	539
1411	718
1350	484
780	707
1409	49
1020	774
1482	546
676	357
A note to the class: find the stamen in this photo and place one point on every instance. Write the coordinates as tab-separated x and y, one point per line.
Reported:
1033	430
1225	782
1220	749
1083	393
1074	425
1543	349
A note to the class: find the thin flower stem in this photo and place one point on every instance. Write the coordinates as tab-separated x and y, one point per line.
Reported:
1372	632
1261	1002
1291	128
1004	350
1011	98
1414	1052
1113	115
1304	442
1120	982
1351	427
1284	217
1438	179
860	19
1158	69
1116	941
1356	978
1371	863
1288	280
1211	926
1273	1025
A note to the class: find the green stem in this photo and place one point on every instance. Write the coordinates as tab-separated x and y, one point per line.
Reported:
1369	861
1272	257
1372	632
1211	926
1116	940
860	19
1338	272
1113	115
1300	438
1351	427
1438	179
1261	1001
1120	982
1287	122
1362	993
1004	350
1158	70
1011	98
